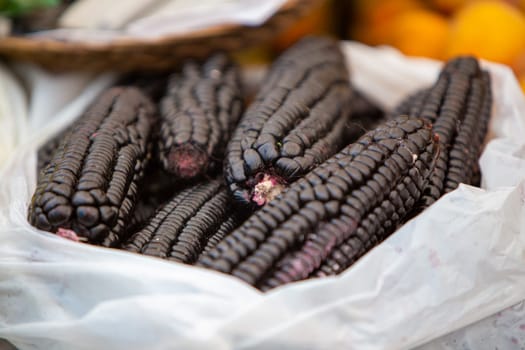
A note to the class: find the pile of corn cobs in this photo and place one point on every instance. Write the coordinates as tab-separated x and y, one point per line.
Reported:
304	191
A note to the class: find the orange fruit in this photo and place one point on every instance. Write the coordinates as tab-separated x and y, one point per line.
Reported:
518	65
315	21
373	19
448	6
515	3
492	30
420	33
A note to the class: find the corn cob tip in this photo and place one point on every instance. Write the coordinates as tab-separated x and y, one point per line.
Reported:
187	161
267	189
67	234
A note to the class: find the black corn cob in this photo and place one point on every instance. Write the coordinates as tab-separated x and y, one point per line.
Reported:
155	189
366	115
142	213
89	187
356	198
459	106
230	224
198	114
463	166
298	119
194	220
47	150
151	84
410	103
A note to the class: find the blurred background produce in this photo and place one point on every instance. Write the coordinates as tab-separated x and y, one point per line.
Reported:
439	29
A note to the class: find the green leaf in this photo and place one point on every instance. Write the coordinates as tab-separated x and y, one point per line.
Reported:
19	7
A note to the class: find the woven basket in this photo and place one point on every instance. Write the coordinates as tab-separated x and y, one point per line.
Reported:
159	54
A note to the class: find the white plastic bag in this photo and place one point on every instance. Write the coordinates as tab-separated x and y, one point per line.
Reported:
503	330
460	261
13	113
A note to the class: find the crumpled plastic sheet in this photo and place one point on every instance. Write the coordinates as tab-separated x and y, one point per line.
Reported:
504	330
459	262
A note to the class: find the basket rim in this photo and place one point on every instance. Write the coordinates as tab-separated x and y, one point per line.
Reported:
53	45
